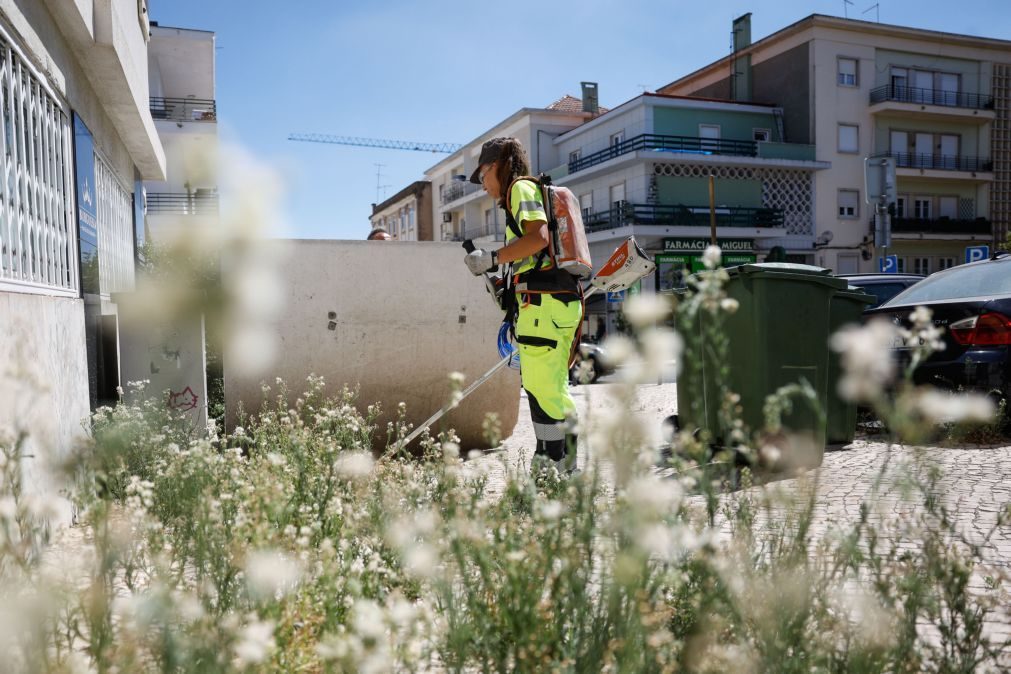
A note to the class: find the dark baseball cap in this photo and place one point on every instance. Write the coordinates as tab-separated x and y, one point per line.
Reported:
490	151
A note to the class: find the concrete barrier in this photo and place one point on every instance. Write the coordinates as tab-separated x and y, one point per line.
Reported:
393	318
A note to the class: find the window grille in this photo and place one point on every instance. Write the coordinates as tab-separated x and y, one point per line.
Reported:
38	236
115	231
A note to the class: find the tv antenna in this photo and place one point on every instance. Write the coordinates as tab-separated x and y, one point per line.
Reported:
877	11
379	186
845	8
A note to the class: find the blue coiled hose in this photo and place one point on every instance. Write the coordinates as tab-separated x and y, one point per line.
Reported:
505	347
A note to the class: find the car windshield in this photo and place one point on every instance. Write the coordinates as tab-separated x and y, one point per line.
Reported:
883	291
976	280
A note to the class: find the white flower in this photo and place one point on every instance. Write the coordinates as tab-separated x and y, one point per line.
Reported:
8	507
661	350
457	378
619	349
369	621
354	465
421	560
943	407
269	572
653	497
552	510
643	310
711	258
729	305
256	641
865	353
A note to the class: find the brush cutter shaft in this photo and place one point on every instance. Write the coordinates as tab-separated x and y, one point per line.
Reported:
628	263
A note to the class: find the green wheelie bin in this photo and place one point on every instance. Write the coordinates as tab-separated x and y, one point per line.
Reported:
847	306
778	336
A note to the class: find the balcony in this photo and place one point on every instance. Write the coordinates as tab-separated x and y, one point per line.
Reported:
457	190
941	226
682	216
913	164
184	109
181	203
932	103
953	99
672	144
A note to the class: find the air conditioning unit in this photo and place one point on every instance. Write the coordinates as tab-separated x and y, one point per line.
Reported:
447	217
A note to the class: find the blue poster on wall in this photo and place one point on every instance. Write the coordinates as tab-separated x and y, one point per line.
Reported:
87	205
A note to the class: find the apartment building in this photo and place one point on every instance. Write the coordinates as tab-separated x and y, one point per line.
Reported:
407	215
643	169
462	210
79	140
939	103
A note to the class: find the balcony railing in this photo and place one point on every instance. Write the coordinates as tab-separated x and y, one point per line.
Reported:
951	99
184	109
941	225
172	203
673	144
626	213
458	190
942	162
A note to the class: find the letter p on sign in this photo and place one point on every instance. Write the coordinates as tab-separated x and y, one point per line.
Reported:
976	253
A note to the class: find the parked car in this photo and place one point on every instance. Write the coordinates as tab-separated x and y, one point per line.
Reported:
973	303
883	286
590	364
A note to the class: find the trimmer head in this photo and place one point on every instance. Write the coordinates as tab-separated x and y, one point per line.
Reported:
626	266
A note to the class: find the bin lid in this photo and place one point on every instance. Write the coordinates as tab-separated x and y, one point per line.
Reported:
856	294
804	273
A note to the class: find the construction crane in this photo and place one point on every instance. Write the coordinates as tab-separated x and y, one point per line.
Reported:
447	148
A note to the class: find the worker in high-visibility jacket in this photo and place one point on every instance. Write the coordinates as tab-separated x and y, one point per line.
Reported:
548	308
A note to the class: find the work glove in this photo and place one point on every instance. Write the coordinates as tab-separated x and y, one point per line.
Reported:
481	261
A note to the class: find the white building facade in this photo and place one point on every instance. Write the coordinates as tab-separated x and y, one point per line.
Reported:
79	139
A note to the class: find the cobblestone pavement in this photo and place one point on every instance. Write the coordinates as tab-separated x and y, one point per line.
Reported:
976	481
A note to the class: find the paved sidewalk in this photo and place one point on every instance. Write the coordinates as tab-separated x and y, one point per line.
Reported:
976	481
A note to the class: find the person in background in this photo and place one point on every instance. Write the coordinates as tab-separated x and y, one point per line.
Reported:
379	234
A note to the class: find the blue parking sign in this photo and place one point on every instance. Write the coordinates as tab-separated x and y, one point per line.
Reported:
888	264
976	253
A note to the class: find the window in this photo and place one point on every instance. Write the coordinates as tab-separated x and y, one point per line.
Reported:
921	208
617	138
761	135
574	156
921	265
849	204
617	194
848	72
848	263
947	207
42	250
900	206
901	267
945	263
115	231
849	138
586	203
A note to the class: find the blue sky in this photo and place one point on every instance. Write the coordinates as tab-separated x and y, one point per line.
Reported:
440	71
